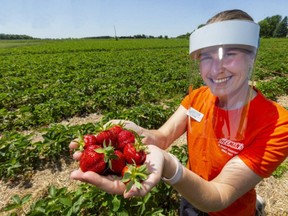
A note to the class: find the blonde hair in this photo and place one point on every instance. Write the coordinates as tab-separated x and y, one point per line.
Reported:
230	15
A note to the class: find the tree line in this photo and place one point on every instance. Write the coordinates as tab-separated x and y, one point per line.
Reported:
273	26
14	37
270	27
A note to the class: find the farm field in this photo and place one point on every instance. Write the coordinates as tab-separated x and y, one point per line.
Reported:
52	89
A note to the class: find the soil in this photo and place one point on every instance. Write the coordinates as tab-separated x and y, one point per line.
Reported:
273	190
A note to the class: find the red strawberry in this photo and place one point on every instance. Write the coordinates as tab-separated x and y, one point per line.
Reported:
92	161
117	163
106	137
116	129
114	158
89	139
134	175
134	153
124	170
125	137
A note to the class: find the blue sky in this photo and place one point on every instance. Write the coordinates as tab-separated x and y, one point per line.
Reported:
85	18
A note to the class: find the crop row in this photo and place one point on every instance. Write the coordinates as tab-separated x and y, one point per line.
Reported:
38	89
47	83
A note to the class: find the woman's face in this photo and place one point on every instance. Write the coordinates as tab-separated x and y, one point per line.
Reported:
226	70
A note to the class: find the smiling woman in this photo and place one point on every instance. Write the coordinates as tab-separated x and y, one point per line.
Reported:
231	146
224	57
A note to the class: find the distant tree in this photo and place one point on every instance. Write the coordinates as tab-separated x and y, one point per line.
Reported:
14	37
268	25
264	28
272	26
201	26
187	35
281	29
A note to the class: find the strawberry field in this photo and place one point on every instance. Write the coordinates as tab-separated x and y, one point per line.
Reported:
44	82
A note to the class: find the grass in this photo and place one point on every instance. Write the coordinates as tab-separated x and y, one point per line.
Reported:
278	173
17	43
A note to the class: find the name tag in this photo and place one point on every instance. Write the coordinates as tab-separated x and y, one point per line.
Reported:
195	114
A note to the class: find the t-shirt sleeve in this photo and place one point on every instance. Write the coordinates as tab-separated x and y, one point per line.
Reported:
196	97
269	148
185	102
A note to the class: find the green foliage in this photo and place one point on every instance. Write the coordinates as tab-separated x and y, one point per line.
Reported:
140	80
274	87
271	59
146	115
21	156
60	79
88	200
281	169
281	29
17	203
269	26
14	37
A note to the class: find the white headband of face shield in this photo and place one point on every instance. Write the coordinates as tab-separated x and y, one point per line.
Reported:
230	32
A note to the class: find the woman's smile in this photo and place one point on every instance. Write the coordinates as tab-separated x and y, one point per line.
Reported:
221	80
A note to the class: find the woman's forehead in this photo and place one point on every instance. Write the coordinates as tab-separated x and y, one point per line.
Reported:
216	49
222	49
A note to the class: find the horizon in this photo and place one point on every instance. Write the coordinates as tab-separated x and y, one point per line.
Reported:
55	19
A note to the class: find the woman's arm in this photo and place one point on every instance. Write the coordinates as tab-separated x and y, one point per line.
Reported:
173	128
235	179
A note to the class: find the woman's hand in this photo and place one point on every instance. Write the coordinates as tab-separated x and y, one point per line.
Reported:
127	124
110	184
148	136
155	163
113	184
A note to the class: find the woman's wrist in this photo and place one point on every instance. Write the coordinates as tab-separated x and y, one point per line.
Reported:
173	170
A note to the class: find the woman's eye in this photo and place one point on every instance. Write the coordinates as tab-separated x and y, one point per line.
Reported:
205	58
230	53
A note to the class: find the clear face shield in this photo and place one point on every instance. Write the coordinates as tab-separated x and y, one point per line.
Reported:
223	56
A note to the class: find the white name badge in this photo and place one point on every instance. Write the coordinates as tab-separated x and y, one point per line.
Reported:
195	114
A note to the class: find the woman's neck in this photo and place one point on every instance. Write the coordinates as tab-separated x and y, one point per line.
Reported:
238	100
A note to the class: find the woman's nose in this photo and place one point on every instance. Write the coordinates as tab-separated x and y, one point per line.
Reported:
217	66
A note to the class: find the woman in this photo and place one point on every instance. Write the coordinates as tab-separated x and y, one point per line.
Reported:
235	136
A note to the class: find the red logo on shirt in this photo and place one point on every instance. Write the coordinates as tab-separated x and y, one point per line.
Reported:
230	147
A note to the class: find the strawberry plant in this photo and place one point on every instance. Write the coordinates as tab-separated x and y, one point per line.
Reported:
133	175
88	200
51	81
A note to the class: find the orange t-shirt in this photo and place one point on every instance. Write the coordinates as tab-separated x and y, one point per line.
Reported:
258	134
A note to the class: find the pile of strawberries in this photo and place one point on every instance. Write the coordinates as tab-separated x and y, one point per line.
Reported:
115	150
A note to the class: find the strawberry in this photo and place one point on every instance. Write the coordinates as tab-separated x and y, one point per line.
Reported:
117	163
123	171
85	140
92	161
106	137
133	175
89	139
125	137
114	158
116	129
134	153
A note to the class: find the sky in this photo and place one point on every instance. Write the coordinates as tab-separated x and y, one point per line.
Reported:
88	18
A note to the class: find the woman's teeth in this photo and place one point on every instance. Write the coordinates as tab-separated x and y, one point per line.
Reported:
221	80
